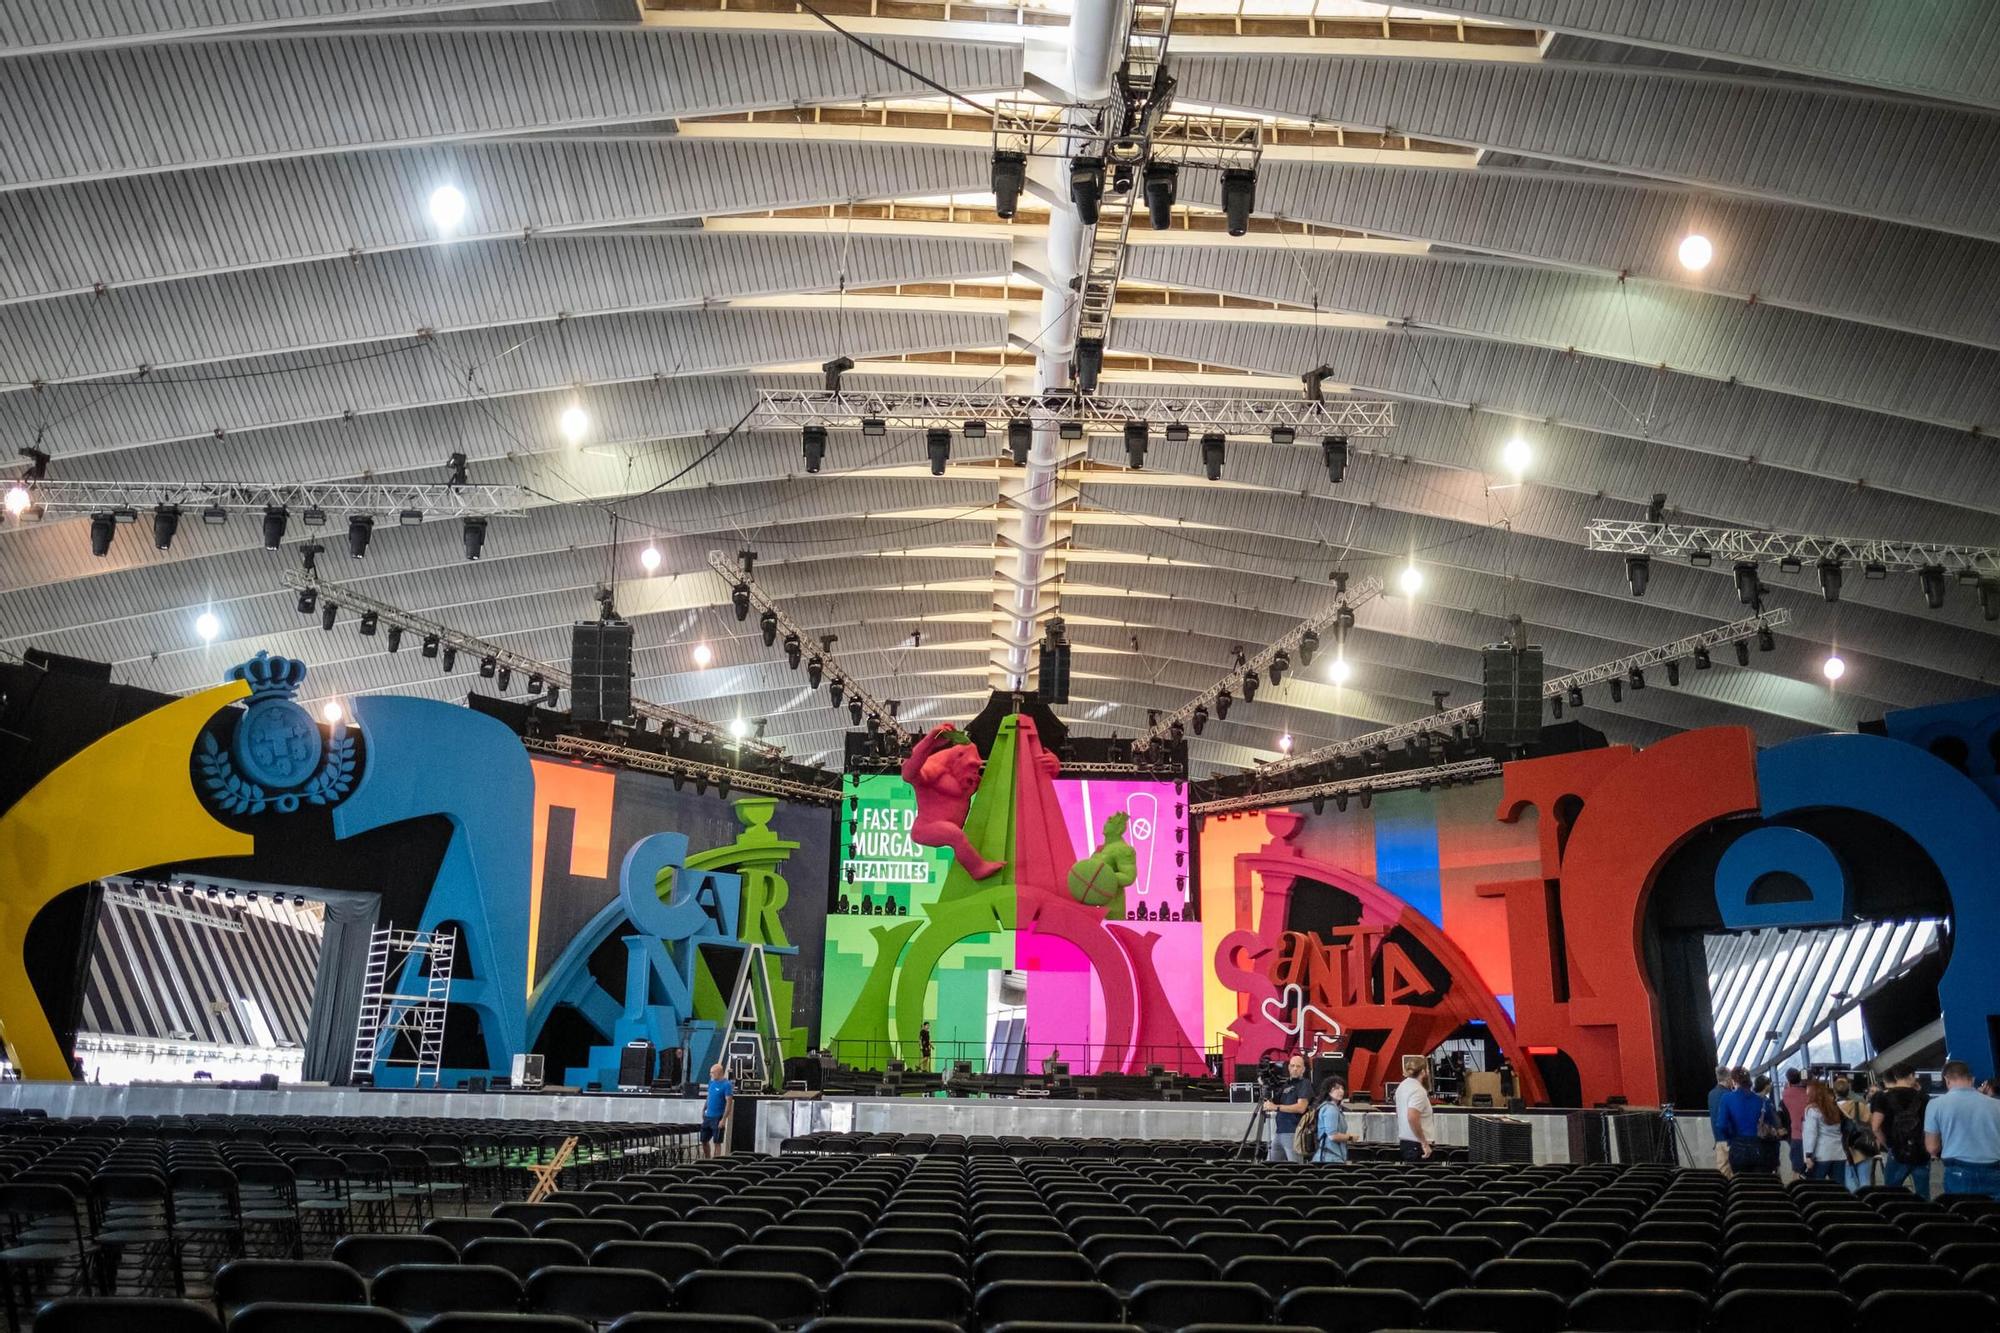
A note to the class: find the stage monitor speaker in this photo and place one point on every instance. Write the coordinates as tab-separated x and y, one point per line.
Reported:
1512	695
600	668
635	1066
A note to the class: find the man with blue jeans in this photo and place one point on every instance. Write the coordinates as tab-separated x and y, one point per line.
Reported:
1285	1113
715	1111
1962	1128
1897	1115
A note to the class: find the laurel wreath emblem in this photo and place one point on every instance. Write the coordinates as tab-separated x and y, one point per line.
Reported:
237	795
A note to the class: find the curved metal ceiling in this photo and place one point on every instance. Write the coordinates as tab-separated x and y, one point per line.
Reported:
215	265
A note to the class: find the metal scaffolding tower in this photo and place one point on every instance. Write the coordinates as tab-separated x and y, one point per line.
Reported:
418	963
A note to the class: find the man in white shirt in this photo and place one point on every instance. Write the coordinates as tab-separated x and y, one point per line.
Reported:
1415	1121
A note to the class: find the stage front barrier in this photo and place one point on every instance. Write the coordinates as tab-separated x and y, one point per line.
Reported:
191	1099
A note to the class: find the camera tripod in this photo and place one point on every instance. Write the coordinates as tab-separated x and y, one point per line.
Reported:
1251	1145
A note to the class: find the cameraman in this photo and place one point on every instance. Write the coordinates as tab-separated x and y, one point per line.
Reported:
1288	1102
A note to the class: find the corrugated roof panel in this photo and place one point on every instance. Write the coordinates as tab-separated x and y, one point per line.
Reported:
31	25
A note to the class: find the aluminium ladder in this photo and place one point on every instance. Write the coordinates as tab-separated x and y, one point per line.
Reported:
403	1028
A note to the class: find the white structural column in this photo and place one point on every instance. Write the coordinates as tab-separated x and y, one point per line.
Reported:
1026	556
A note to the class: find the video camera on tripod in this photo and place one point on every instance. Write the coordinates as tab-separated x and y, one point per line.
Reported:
1273	1078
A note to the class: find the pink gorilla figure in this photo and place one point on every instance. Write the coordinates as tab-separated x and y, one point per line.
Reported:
945	776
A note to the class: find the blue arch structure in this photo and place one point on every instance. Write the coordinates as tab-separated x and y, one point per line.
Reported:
431	758
1947	814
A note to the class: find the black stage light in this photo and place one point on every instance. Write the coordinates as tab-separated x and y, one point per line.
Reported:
1766	641
1930	579
395	638
1136	441
1069	430
455	463
1656	508
1556	706
1673	673
555	695
489	666
430	648
1283	435
854	711
275	519
1790	564
1742	652
1638	678
473	534
1617	690
1086	187
1223	699
815	671
369	620
102	525
739	598
166	522
874	427
1162	186
767	626
1638	571
1250	683
973	430
1177	432
836	691
1829	580
1873	570
328	614
1200	720
937	447
792	651
834	369
214	515
815	442
1989	598
313	516
360	529
1089	363
1748	586
1308	645
450	658
1281	662
535	682
1700	559
308	600
1020	435
1239	197
1010	175
1334	447
1702	661
309	554
1213	452
1576	696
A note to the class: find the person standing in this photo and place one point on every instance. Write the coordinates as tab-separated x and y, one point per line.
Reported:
1793	1100
721	1100
924	1046
1962	1128
1334	1136
1715	1095
1741	1122
1416	1122
1290	1103
1822	1153
1897	1116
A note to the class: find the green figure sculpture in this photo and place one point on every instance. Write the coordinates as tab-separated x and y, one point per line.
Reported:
1100	879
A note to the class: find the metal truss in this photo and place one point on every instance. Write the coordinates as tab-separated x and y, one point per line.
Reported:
1104	260
1616	668
1463	770
521	665
871	706
1355	418
1631	537
1213	142
723	779
308	502
1366	591
1110	769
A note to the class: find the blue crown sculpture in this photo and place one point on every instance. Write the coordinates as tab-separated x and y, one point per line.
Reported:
277	759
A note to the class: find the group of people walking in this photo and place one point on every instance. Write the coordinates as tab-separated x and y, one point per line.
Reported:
1833	1135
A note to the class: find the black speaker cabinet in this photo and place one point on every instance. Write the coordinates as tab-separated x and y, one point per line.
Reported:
600	667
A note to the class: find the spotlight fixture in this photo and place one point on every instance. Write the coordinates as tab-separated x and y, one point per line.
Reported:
1010	176
1790	564
1020	435
874	427
1411	581
1136	440
1833	668
329	612
369	620
1281	662
1283	435
574	422
1177	432
489	666
1748	586
1637	677
1239	198
313	516
166	522
275	519
1700	559
1968	577
213	515
1766	640
1162	187
360	529
309	554
1638	570
1200	719
937	446
834	369
207	625
1213	451
1576	696
1088	365
1930	579
1873	570
1334	449
308	600
1341	671
1743	652
455	465
1516	455
395	637
102	525
1702	661
1556	707
792	651
1695	252
854	711
649	559
1673	673
1829	580
535	682
1086	187
1250	684
473	534
974	430
450	660
815	671
1989	599
739	598
1308	645
430	648
815	446
836	690
702	655
446	208
767	626
1617	690
1069	430
1223	699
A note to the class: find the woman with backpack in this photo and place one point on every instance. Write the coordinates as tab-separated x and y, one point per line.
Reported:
1327	1124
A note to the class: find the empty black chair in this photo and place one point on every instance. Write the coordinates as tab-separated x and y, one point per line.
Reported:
835	1240
1673	1251
884	1296
369	1255
294	1317
1351	1309
1347	1251
528	1214
522	1257
1638	1312
586	1233
1226	1246
459	1322
1906	1308
419	1291
782	1298
683	1322
1592	1254
122	1314
661	1258
1964	1256
910	1238
1175	1302
1850	1253
1422	1278
1470	1251
1010	1301
462	1231
1793	1277
1758	1310
1277	1274
597	1295
1562	1277
1047	1240
940	1262
1126	1273
1026	1266
1496	1311
1657	1275
714	1237
1864	1280
242	1282
818	1267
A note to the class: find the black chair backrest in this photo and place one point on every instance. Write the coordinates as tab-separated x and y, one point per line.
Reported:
1028	1266
121	1314
1496	1311
293	1317
462	1231
940	1262
1277	1274
243	1282
665	1259
1422	1278
1350	1309
782	1298
369	1254
816	1266
1760	1309
888	1296
1012	1300
1177	1303
521	1257
1900	1308
1563	1277
1638	1312
599	1295
1794	1277
421	1290
1125	1272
